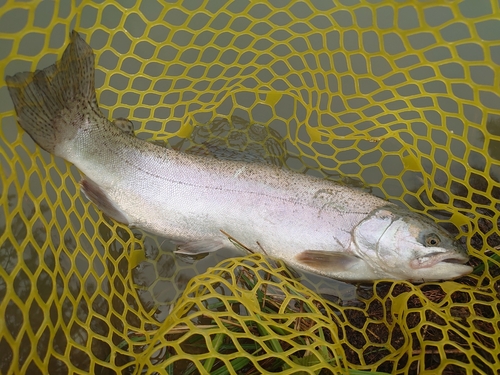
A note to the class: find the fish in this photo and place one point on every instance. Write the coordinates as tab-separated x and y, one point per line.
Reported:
310	223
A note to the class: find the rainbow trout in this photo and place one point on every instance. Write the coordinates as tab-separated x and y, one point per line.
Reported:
314	224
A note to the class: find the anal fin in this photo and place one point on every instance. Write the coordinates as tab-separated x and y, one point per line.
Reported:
99	197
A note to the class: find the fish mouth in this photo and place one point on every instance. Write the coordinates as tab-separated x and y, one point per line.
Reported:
455	260
435	258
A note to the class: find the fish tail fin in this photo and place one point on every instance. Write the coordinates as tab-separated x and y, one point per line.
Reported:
51	103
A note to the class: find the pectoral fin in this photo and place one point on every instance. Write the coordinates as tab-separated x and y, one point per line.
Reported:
99	197
328	261
206	245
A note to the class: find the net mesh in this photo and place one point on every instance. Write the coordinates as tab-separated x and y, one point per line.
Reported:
399	96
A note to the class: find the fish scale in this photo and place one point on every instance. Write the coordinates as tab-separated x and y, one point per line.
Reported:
311	223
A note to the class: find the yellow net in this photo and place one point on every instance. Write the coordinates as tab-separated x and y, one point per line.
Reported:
401	95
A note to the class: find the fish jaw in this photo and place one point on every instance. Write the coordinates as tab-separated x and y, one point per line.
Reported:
444	265
432	259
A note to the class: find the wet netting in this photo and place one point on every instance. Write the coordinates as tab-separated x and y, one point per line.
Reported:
399	97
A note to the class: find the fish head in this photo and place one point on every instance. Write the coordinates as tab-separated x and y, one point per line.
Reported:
403	245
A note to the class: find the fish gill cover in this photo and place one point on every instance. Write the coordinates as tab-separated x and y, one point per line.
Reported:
399	96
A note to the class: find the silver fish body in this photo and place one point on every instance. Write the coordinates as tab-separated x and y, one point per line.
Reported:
311	223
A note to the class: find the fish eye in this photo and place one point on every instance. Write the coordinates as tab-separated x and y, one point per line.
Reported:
432	240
